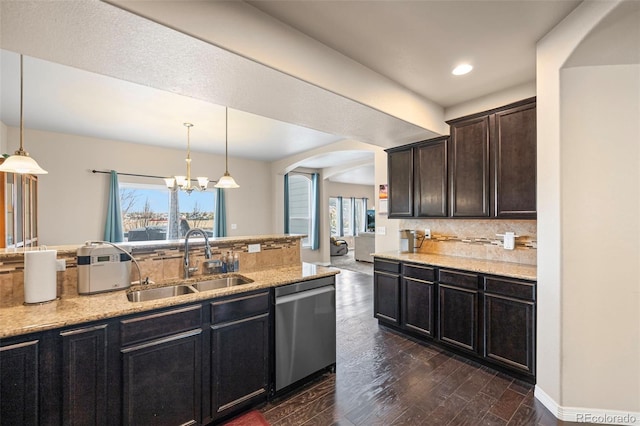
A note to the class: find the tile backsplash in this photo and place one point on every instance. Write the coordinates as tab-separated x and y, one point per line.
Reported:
163	263
477	238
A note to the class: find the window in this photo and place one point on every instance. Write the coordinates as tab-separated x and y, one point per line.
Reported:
361	214
300	207
334	216
146	212
347	216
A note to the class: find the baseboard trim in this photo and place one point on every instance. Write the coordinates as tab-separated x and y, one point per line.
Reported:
587	415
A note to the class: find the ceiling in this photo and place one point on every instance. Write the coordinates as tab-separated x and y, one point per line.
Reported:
409	47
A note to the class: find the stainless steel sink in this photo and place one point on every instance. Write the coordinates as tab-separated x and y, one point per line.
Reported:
217	283
159	293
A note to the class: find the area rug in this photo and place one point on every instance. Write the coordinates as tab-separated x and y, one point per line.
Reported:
252	418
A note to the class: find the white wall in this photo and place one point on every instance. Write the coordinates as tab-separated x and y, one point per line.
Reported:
3	139
340	189
600	193
493	100
574	373
72	200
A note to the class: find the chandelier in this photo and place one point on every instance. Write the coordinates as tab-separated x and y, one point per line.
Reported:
184	182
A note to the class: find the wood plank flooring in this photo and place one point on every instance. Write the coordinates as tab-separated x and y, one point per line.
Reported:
383	378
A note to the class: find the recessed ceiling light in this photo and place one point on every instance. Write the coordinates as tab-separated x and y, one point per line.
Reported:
462	69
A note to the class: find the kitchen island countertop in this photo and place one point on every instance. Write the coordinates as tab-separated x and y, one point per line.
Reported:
25	319
491	267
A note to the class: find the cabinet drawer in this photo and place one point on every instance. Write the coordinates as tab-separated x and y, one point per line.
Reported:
419	272
460	279
511	288
239	307
160	324
386	265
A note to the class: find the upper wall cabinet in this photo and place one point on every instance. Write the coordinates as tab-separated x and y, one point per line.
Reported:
418	179
514	145
486	168
493	163
400	174
469	167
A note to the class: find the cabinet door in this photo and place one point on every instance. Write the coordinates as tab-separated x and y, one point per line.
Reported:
162	381
469	167
400	174
510	332
386	297
430	179
239	363
514	144
417	306
458	317
19	384
84	380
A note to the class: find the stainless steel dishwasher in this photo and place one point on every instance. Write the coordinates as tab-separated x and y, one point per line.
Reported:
305	329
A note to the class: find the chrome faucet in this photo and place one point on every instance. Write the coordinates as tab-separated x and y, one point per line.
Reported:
207	250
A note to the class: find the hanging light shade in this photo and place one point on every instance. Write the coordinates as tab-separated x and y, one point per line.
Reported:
20	161
184	182
226	181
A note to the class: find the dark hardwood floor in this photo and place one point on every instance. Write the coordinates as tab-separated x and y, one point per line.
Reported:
383	378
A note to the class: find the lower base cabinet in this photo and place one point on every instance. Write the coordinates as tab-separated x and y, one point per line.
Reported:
510	324
458	317
386	291
239	353
19	384
162	381
485	317
85	384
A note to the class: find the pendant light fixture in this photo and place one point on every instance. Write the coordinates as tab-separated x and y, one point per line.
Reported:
20	162
184	182
226	181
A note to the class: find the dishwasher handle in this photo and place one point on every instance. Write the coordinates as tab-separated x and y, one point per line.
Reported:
304	294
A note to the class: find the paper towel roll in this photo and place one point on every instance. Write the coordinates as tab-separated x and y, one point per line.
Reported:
39	276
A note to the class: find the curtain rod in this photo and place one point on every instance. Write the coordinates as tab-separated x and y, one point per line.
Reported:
139	175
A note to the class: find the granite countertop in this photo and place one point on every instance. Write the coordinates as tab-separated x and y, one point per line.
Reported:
24	319
505	269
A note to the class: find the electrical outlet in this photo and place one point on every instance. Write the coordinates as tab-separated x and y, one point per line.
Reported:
381	230
509	240
253	248
234	226
427	234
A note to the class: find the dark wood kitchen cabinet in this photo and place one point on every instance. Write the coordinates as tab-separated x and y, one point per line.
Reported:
417	175
469	167
386	291
85	375
239	352
458	309
19	384
430	178
400	177
492	163
418	297
509	323
514	170
162	367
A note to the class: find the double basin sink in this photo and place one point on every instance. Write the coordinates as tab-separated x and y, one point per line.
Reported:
186	288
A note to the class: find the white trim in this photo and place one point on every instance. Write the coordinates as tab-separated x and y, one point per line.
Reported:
587	415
